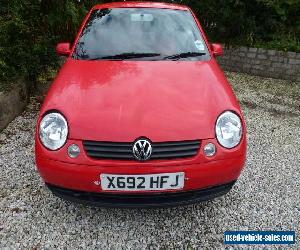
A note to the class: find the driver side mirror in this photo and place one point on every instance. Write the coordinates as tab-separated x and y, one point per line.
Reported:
216	49
63	49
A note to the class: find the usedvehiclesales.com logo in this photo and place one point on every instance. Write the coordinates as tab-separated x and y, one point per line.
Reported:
259	237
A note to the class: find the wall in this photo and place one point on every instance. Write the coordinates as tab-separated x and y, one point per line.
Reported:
262	62
12	103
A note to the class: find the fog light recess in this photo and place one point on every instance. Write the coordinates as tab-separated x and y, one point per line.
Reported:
210	149
73	151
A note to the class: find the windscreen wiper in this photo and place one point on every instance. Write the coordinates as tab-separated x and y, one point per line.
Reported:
185	55
126	56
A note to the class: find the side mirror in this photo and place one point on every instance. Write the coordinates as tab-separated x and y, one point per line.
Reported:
216	49
63	49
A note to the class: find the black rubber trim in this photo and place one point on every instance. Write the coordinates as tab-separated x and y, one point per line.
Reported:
141	200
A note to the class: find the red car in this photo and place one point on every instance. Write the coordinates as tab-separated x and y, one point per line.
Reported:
140	114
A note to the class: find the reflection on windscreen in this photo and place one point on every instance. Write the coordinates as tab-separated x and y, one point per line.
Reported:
141	34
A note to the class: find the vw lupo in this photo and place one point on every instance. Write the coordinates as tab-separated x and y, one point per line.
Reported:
140	114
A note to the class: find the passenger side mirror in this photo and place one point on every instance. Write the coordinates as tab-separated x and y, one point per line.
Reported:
216	49
63	49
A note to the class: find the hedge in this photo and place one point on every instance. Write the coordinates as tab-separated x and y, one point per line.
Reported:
29	29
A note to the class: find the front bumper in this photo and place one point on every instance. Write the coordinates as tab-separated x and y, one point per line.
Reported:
81	176
87	177
141	200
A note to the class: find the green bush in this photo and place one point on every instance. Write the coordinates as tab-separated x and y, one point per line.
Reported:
30	29
244	22
29	32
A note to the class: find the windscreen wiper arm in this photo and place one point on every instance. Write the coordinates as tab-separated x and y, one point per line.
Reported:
127	56
185	55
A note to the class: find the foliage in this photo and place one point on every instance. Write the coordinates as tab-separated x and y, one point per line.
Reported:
30	29
249	22
29	32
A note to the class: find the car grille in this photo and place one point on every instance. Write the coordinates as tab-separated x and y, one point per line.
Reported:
123	151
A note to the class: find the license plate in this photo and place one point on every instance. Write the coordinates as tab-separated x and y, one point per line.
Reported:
164	181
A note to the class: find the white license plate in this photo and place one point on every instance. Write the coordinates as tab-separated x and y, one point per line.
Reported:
164	181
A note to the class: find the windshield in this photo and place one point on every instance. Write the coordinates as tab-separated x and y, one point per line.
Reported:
141	34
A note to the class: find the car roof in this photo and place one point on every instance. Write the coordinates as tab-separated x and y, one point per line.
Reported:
138	4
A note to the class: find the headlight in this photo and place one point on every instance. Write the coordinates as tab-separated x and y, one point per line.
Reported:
53	131
229	129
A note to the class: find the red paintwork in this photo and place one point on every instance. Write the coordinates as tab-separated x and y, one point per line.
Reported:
124	100
136	4
63	49
217	49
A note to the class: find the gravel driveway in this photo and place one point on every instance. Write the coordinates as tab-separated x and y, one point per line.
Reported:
266	197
